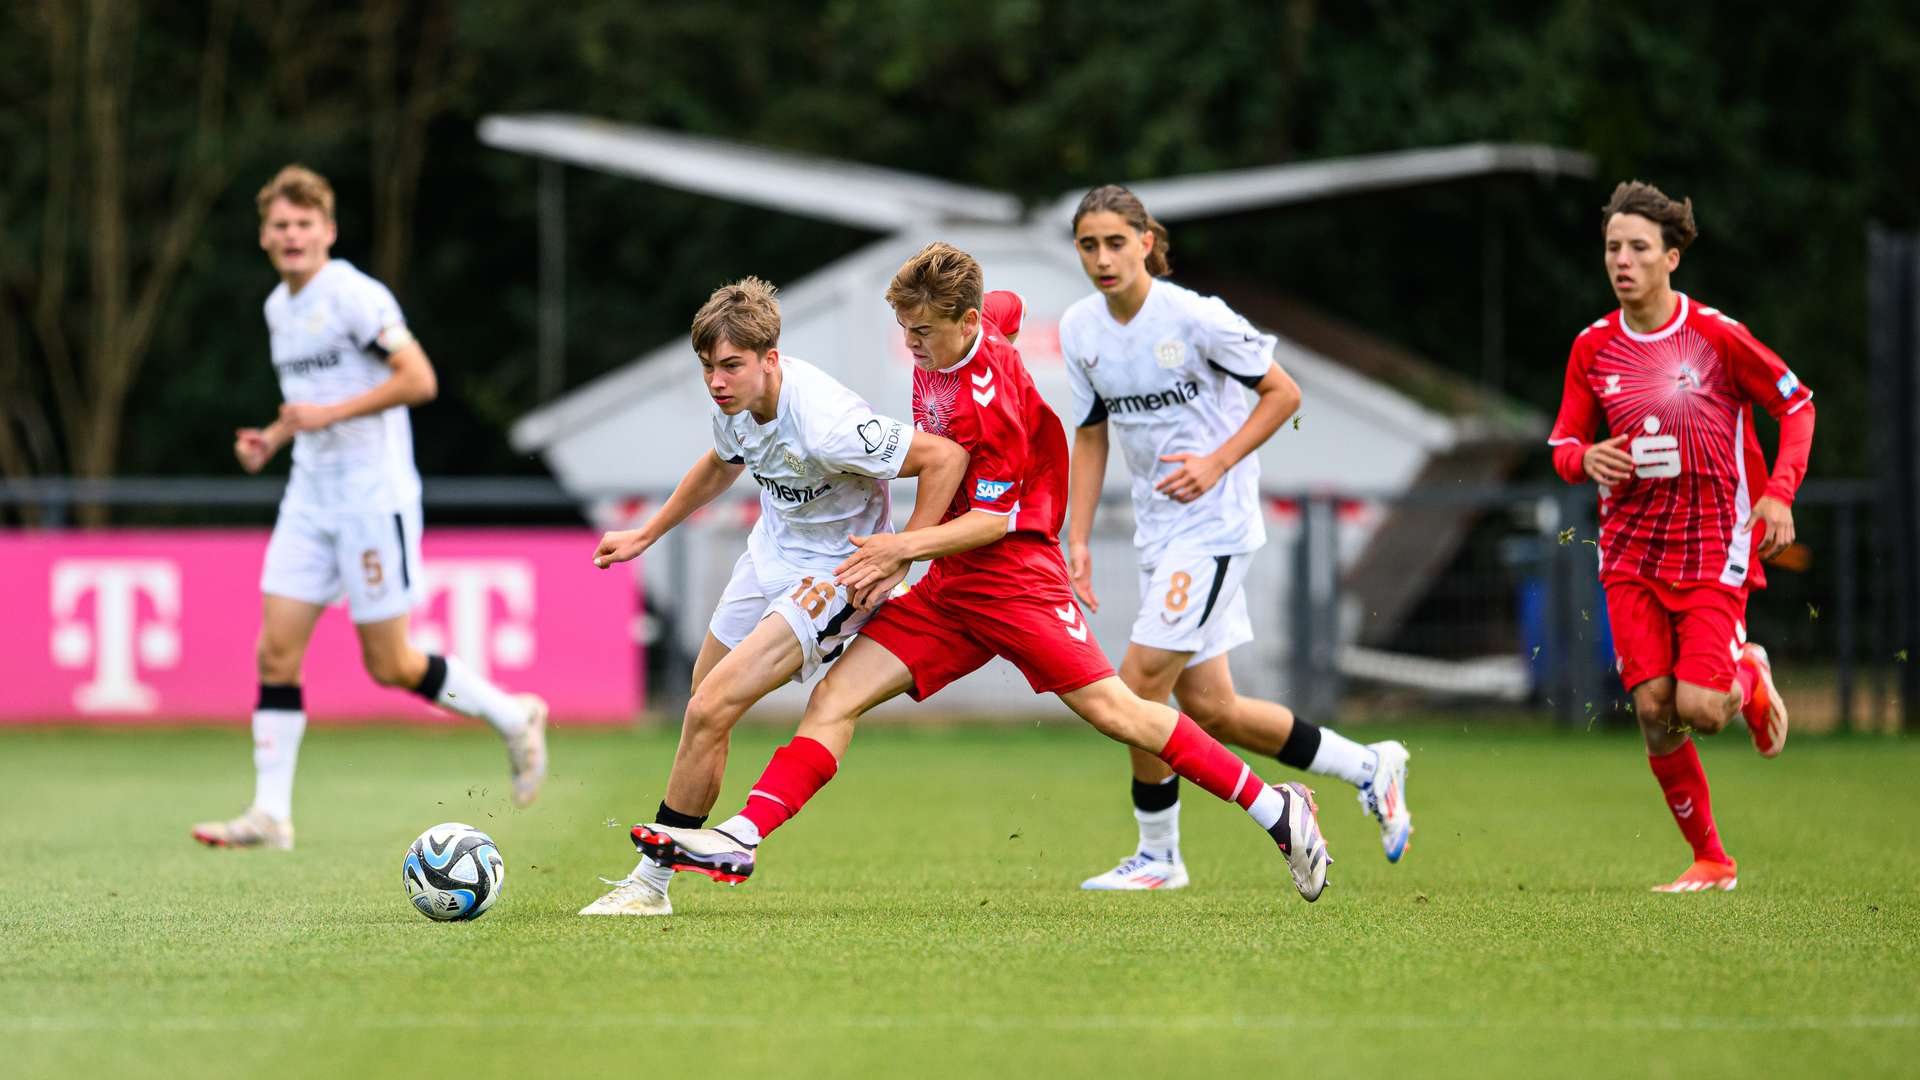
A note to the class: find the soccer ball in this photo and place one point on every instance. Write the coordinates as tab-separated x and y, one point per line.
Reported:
453	872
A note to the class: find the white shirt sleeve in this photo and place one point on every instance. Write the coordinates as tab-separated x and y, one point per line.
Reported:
1087	407
1232	345
855	439
373	318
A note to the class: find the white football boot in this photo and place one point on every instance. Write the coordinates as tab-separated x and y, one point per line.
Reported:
253	829
630	896
1385	797
527	752
1298	835
1141	870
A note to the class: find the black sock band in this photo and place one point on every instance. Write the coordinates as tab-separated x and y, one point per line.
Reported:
675	819
1153	798
1303	743
435	678
280	698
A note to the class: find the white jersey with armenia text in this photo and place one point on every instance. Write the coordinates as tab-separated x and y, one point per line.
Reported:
331	341
1172	380
822	464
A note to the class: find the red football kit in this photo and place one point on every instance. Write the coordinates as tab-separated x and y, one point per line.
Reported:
1012	597
1675	563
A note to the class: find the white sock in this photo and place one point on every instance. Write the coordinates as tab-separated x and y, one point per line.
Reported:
1160	831
741	828
468	693
1341	757
653	873
276	749
1267	807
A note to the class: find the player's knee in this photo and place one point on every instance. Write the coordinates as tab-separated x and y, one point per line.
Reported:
709	713
1704	715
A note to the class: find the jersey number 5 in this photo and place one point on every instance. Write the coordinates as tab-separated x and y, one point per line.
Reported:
1655	457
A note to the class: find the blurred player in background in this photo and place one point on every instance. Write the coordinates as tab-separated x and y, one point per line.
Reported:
1162	368
997	587
1688	510
822	458
350	519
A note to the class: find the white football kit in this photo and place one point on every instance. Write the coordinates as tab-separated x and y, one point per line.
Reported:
350	520
1173	380
822	464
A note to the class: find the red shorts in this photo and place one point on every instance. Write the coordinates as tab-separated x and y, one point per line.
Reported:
1015	602
1692	634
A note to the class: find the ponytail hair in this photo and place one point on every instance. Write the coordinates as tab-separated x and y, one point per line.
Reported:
1118	200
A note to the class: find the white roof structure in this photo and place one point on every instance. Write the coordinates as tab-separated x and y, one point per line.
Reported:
638	428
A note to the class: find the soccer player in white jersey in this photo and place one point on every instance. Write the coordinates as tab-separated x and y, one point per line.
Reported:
822	458
350	520
1165	371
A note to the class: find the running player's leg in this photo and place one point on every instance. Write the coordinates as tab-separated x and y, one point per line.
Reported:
279	722
1286	812
908	646
1644	638
379	563
1378	771
299	577
1155	863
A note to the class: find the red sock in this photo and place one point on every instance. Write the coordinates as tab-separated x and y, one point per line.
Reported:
797	771
1199	757
1753	692
1684	780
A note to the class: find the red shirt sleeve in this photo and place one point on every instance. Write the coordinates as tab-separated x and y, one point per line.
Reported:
1766	380
1580	414
1005	310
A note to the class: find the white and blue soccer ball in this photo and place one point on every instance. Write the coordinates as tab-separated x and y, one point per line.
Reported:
453	872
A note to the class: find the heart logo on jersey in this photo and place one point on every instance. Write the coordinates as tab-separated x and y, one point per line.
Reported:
870	435
1170	354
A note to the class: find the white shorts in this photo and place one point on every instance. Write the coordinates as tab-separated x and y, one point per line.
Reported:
1194	604
373	557
815	608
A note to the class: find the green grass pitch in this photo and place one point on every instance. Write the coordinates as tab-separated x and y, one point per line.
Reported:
922	917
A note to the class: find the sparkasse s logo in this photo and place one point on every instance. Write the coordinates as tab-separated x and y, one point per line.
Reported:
990	490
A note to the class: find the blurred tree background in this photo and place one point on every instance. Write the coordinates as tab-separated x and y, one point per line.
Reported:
135	136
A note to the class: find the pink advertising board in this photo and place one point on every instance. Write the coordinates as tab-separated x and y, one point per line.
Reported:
136	625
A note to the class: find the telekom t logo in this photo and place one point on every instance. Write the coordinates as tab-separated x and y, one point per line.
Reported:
467	626
118	644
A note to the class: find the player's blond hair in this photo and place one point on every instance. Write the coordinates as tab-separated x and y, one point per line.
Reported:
941	279
1638	197
300	186
1118	200
747	313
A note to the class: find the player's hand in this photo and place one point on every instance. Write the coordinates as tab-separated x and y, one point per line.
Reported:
873	595
881	556
1778	521
620	546
306	416
1606	463
1195	477
253	449
1080	571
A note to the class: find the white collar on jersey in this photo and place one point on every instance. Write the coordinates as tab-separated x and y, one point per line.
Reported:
1679	320
971	353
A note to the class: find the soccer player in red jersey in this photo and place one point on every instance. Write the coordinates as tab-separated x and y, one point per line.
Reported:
1688	510
998	586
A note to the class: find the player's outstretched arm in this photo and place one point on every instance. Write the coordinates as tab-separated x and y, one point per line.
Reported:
1085	476
1279	399
412	382
941	464
703	483
879	553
